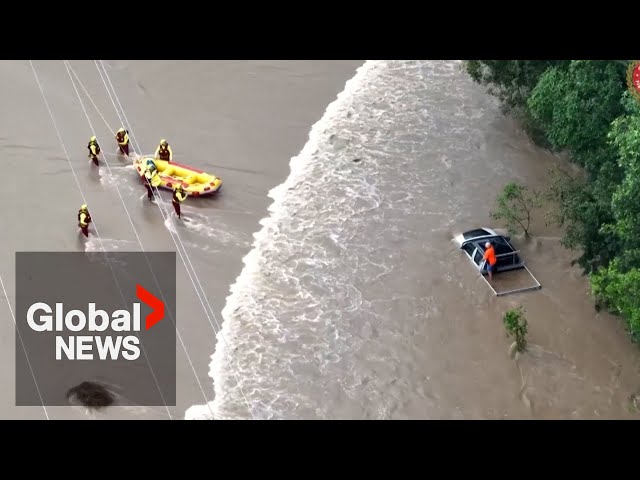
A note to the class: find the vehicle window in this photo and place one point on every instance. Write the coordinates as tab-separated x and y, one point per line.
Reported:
501	246
469	248
478	257
505	261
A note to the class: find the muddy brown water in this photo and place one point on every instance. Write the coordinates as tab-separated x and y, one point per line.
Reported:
402	325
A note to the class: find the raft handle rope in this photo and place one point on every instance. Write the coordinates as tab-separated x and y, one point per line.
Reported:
138	238
84	200
165	215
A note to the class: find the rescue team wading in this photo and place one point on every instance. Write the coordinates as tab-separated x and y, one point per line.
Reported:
80	347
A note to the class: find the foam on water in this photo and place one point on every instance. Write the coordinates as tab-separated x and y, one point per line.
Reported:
195	223
95	244
120	176
311	304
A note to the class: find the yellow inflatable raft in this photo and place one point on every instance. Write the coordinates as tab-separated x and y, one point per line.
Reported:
195	182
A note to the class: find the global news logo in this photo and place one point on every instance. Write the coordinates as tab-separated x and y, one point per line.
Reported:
120	343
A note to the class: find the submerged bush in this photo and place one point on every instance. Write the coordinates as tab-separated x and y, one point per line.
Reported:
516	326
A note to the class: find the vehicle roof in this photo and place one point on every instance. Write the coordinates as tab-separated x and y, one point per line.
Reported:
476	233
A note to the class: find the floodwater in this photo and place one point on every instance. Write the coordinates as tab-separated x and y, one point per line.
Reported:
351	301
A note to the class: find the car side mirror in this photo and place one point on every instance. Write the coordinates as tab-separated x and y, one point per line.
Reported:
508	239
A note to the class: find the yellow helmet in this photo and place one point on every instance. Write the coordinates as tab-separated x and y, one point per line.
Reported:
83	207
163	142
93	139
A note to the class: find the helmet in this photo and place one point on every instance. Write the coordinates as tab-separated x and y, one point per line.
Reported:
93	139
121	130
83	207
163	142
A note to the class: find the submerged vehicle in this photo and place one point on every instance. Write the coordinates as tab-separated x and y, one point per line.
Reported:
473	243
195	182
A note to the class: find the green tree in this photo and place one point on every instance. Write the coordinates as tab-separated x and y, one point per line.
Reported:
620	292
516	325
576	106
514	206
510	80
625	137
582	211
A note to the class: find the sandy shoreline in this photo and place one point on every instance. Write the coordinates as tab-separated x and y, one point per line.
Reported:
241	120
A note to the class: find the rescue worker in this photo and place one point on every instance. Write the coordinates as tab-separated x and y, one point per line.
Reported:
490	257
164	152
84	219
122	137
94	149
179	196
151	179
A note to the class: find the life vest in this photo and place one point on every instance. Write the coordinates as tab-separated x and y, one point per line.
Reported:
87	218
121	137
177	198
96	145
152	177
164	153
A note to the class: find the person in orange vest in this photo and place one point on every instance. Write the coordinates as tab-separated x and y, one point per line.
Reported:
179	196
164	152
84	219
122	137
490	257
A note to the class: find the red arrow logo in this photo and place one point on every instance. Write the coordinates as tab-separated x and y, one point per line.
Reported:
156	304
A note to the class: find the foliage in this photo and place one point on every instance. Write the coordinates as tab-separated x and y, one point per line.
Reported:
576	106
514	206
620	292
583	108
510	80
582	212
516	325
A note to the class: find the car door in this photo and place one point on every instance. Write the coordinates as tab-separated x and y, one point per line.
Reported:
477	258
469	249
